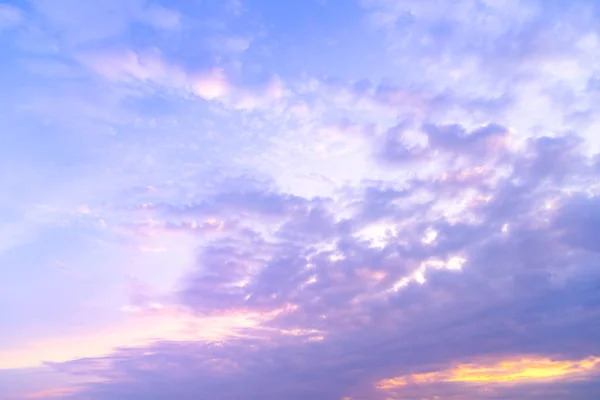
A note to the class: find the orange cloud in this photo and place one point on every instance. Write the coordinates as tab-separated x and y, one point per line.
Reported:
51	393
140	330
392	383
516	370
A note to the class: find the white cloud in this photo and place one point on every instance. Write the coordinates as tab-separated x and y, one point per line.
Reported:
10	16
160	17
80	22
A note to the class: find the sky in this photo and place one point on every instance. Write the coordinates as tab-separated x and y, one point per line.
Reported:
302	199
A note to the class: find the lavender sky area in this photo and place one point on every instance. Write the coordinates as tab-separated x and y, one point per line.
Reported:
300	199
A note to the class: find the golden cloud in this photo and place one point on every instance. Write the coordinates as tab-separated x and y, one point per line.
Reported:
514	370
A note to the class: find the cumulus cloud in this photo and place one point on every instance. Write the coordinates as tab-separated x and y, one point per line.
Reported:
371	320
430	235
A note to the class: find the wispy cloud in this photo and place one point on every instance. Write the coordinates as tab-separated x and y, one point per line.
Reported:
10	17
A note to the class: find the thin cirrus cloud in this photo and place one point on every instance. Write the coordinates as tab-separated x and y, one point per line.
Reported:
332	200
10	16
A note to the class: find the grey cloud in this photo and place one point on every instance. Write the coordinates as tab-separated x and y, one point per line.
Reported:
454	139
480	144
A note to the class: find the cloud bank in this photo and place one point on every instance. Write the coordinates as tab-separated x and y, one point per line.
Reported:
201	215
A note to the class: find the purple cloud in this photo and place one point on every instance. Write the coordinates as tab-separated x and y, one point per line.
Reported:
339	323
245	200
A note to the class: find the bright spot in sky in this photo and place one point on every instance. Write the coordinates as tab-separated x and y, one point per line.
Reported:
419	277
429	237
455	263
378	235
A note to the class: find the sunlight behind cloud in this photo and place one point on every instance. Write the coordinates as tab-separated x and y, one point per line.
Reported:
159	325
505	371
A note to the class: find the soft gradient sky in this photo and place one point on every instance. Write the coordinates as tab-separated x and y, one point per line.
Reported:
299	199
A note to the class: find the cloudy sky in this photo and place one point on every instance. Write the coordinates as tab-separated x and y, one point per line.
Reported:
302	199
